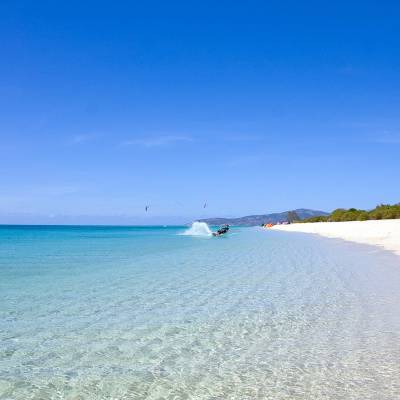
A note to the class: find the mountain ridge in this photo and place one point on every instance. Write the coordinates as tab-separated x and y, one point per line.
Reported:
253	220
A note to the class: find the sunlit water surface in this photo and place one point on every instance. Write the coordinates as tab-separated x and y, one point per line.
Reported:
146	313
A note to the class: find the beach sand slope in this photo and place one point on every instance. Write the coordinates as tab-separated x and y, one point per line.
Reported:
383	233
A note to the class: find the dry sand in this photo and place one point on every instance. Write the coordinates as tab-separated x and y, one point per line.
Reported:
383	233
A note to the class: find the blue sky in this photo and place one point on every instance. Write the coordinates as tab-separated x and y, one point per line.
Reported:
253	107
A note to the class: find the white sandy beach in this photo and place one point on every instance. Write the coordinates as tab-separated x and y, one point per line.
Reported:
383	233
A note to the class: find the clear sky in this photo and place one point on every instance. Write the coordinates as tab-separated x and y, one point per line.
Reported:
254	107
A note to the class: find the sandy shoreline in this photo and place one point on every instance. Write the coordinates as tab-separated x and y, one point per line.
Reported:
382	233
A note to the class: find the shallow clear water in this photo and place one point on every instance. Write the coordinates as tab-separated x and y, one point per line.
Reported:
145	313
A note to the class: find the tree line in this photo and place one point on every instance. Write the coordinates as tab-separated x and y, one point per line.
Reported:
382	211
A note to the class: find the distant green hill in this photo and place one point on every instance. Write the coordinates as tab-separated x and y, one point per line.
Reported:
253	220
382	211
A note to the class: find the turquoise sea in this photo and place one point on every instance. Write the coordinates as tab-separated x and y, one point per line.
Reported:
149	313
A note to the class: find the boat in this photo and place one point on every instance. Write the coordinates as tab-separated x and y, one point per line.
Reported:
222	230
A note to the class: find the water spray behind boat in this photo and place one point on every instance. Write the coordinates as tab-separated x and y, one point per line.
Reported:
198	229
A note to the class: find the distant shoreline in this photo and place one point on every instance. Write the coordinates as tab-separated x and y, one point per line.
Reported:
381	233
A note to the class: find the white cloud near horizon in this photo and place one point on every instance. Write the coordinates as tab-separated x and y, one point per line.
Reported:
39	191
82	138
387	140
244	160
244	138
386	137
157	141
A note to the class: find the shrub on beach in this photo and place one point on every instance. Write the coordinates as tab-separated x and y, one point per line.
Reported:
382	211
385	211
320	218
363	216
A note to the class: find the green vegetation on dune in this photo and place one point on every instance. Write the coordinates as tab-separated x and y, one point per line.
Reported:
383	211
321	218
